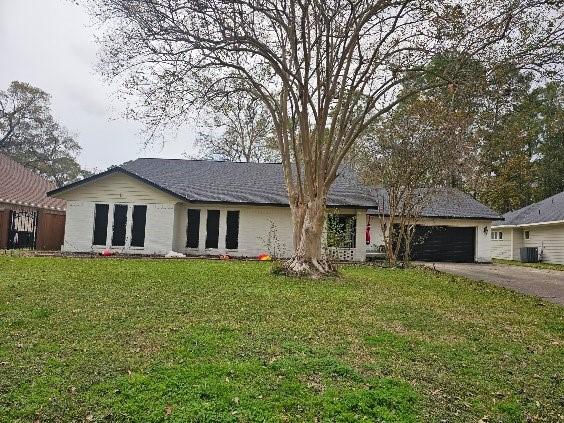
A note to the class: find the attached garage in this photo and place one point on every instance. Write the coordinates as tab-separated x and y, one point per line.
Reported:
444	243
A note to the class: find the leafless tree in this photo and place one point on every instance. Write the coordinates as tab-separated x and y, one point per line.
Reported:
409	156
238	129
324	70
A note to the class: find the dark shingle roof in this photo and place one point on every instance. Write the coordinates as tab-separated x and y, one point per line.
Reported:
446	203
22	186
207	181
234	182
549	210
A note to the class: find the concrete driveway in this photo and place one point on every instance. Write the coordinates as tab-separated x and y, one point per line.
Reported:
546	284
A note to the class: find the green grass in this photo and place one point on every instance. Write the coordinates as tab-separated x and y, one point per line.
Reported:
194	340
548	266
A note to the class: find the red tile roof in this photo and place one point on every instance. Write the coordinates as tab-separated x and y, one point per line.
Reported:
22	186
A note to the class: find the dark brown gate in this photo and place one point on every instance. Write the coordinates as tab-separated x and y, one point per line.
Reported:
22	229
32	229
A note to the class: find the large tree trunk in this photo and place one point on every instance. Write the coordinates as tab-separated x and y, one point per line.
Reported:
308	222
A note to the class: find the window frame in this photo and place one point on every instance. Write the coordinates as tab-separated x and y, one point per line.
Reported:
497	236
527	235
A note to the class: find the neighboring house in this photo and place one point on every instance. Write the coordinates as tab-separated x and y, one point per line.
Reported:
28	217
153	206
538	225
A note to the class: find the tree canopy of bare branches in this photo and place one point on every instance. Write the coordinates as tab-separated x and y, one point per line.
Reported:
324	70
237	129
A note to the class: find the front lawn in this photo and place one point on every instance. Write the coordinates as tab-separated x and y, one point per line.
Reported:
541	265
195	340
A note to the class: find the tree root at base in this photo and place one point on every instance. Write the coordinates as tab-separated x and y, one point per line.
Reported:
311	268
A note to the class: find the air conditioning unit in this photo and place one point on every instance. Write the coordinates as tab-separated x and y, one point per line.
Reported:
529	254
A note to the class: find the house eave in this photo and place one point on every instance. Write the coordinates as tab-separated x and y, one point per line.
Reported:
526	225
31	205
423	216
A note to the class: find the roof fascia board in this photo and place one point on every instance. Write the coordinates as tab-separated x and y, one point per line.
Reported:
525	225
108	172
425	216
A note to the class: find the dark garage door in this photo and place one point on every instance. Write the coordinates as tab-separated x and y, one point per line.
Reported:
443	243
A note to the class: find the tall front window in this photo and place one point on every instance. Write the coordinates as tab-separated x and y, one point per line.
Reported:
100	224
232	231
119	227
139	218
193	228
212	229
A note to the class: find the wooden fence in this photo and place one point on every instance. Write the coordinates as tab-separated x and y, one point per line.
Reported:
50	229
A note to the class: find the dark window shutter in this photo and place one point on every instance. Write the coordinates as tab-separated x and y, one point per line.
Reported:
100	224
193	228
232	233
138	226
212	229
120	223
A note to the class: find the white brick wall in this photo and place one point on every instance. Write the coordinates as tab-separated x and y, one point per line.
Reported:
159	229
166	230
254	225
79	228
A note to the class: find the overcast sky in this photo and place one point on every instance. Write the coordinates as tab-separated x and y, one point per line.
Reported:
50	44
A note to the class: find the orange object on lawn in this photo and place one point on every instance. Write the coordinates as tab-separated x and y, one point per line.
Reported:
264	257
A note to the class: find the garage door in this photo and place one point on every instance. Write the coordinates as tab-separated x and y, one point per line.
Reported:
443	243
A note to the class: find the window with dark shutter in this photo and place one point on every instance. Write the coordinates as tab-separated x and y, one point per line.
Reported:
139	218
100	224
120	223
193	228
232	233
212	229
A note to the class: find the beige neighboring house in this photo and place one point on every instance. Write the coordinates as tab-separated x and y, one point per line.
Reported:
539	225
199	207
